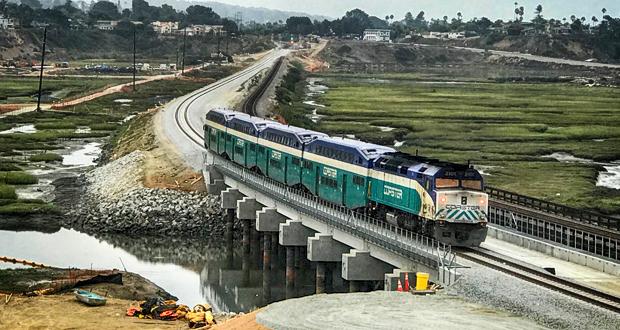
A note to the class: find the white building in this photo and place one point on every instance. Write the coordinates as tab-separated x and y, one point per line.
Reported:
197	30
377	35
7	23
106	25
165	27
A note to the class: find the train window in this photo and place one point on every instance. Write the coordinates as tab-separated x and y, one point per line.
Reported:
472	184
252	147
422	169
275	163
296	161
228	137
358	180
307	164
332	183
239	150
261	149
446	183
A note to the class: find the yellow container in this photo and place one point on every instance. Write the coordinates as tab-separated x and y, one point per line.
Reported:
421	281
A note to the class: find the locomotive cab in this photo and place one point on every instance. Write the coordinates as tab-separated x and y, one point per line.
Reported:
462	206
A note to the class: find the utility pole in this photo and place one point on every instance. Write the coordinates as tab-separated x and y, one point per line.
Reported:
41	74
183	60
134	57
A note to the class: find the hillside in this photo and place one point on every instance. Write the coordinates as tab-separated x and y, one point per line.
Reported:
67	45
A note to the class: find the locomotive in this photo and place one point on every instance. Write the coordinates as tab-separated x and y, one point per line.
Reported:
440	199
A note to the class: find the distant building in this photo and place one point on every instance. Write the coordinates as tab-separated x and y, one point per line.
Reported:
456	35
7	23
197	30
559	30
106	25
165	27
377	35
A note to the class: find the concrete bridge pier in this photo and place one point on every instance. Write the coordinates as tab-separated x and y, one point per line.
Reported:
293	234
228	204
214	180
268	222
358	266
246	212
323	249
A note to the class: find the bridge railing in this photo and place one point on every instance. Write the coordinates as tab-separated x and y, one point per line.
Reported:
556	209
401	241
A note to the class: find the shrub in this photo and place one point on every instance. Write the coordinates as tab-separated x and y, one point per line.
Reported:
103	127
15	177
7	192
46	157
55	125
9	167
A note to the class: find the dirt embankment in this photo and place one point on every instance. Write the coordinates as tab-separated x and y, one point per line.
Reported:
435	61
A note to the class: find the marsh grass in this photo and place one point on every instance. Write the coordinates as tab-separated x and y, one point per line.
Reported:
7	192
505	125
46	157
17	178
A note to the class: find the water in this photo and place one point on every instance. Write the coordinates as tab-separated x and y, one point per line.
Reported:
398	144
610	178
314	90
26	129
192	270
85	156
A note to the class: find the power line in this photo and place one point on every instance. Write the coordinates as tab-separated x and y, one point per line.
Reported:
42	64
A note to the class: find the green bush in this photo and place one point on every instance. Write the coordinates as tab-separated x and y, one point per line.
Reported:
15	177
46	157
7	192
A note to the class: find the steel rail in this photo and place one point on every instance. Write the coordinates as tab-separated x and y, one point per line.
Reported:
541	277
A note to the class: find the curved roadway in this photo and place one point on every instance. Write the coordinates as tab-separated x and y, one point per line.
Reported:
181	120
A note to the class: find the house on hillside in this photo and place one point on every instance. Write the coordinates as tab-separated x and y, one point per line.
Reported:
7	23
197	30
106	25
382	35
165	27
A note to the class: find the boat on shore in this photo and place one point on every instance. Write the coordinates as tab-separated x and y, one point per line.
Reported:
89	298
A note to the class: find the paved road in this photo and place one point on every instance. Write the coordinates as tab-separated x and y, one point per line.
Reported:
534	57
181	120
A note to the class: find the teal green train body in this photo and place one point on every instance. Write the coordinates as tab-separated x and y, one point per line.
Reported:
443	200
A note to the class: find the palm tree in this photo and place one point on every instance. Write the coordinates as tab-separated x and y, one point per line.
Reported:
594	20
521	13
392	16
445	19
604	10
459	15
516	10
573	18
583	19
538	10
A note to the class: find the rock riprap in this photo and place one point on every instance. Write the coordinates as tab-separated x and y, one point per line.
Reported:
113	199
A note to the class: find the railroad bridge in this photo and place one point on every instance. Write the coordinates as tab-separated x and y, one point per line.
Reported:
337	245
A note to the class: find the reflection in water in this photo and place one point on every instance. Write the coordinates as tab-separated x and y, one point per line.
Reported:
193	270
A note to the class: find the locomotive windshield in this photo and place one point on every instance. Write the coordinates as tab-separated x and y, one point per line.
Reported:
446	183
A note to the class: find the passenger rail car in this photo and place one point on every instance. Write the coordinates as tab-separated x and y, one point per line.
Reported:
443	200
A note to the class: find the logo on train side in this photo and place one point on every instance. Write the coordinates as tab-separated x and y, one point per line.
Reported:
240	142
393	192
276	155
329	172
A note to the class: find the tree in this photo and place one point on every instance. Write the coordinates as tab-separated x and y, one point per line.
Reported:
445	19
299	25
34	4
459	15
573	18
604	10
538	10
576	26
594	20
104	10
409	21
201	15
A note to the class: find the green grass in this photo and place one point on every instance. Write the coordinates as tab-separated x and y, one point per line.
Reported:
504	125
46	157
6	166
7	192
27	207
22	89
17	178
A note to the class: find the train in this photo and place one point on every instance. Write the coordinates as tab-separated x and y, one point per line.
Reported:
443	200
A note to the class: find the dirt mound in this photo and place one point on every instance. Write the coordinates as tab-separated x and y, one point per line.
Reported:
343	53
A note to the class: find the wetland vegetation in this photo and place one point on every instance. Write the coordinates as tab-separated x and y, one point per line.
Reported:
505	127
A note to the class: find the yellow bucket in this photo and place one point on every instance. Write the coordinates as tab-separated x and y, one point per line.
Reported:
421	281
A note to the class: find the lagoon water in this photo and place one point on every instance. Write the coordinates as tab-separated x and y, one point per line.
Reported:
192	270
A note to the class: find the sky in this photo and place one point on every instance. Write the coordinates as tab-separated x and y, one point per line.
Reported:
438	8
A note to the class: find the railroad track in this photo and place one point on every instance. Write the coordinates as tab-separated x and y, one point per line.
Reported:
251	103
181	114
541	277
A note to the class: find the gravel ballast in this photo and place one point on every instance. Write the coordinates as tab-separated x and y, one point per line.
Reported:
111	198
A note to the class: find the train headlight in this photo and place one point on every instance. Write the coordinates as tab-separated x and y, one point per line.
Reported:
442	200
482	201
